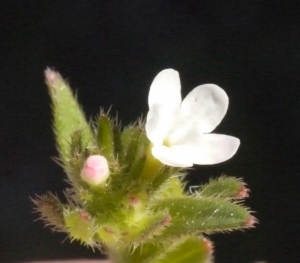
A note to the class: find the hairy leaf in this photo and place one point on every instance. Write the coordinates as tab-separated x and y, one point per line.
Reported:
203	215
68	116
224	187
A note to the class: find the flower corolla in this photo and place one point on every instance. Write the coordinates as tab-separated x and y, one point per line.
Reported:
180	130
95	170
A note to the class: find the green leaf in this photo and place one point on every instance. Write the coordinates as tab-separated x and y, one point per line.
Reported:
68	116
130	179
76	143
187	249
106	136
130	140
224	187
139	254
203	215
118	144
150	226
109	234
168	185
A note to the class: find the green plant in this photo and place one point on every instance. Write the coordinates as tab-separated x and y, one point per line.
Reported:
127	192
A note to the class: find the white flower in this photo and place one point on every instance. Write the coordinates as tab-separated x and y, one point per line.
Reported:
180	130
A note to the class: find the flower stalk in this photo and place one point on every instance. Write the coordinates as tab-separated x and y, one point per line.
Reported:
152	166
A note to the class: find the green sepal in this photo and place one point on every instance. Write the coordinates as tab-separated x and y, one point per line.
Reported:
135	144
109	234
128	134
224	187
105	137
51	211
164	173
203	215
68	116
131	179
78	155
168	184
118	147
130	140
100	203
80	226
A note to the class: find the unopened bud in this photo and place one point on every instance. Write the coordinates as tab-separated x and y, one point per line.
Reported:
95	170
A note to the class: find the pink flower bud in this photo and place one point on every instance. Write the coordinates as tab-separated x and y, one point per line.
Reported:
95	170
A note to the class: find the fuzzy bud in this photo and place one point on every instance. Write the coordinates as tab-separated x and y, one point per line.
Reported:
95	170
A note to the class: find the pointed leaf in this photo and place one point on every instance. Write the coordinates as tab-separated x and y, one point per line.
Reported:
185	249
207	215
188	249
51	211
130	140
118	148
152	226
68	116
224	187
106	137
139	254
76	143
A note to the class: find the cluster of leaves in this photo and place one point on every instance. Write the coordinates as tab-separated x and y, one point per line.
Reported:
141	213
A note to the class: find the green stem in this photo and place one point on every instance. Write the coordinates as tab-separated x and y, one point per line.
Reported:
151	166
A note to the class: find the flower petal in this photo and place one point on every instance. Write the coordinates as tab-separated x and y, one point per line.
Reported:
164	103
205	106
213	148
165	89
172	156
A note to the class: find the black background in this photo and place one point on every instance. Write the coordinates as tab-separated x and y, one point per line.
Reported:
110	51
